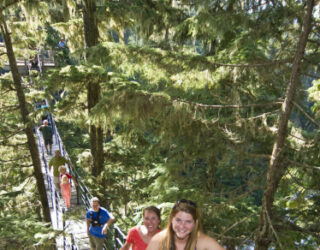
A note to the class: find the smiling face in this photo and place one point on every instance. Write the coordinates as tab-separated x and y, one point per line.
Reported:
182	225
151	221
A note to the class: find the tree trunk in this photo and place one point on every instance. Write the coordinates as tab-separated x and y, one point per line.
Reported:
91	36
276	168
26	121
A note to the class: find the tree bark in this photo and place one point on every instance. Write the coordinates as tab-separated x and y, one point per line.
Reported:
276	167
91	36
25	118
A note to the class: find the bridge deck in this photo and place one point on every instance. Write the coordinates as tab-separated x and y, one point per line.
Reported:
72	221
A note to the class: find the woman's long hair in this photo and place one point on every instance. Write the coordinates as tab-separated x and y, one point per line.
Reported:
168	242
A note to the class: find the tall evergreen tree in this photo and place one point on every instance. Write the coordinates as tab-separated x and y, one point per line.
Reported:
277	166
91	36
25	117
191	97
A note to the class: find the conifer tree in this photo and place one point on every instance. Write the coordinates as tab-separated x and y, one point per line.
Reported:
192	96
25	117
91	36
277	167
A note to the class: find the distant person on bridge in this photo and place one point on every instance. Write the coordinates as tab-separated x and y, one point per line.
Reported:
34	63
47	135
66	190
183	231
62	44
63	171
98	222
45	113
56	162
139	236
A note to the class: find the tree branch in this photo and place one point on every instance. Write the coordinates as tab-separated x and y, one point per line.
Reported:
289	224
217	106
314	41
267	157
272	228
15	132
302	164
237	223
275	62
14	160
305	113
9	108
19	166
316	63
312	76
13	145
262	115
220	236
5	92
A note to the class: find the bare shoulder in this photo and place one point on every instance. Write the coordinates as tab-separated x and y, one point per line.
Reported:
205	242
154	243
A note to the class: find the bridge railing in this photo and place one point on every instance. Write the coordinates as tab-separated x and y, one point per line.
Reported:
69	242
115	238
55	200
54	194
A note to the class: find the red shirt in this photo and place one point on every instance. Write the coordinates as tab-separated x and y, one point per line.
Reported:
135	239
69	176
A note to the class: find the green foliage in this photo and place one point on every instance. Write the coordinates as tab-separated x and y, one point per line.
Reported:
53	36
168	130
20	216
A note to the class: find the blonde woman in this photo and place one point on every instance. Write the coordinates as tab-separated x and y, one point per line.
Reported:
183	231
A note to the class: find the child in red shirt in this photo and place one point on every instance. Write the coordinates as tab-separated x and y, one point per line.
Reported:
66	185
66	190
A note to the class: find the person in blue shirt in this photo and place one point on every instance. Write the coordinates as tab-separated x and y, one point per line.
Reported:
98	222
62	44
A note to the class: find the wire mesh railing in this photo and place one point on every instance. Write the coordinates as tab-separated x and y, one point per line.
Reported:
51	187
58	212
115	238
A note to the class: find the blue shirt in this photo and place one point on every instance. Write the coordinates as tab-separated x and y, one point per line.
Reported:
103	219
62	44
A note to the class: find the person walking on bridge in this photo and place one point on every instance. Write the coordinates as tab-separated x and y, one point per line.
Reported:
56	162
47	135
98	222
66	190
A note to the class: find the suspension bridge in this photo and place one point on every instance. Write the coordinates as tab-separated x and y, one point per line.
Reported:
73	228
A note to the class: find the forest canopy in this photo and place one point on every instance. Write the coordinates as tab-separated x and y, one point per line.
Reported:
214	101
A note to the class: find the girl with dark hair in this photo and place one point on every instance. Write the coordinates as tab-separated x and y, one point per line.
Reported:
183	231
139	236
